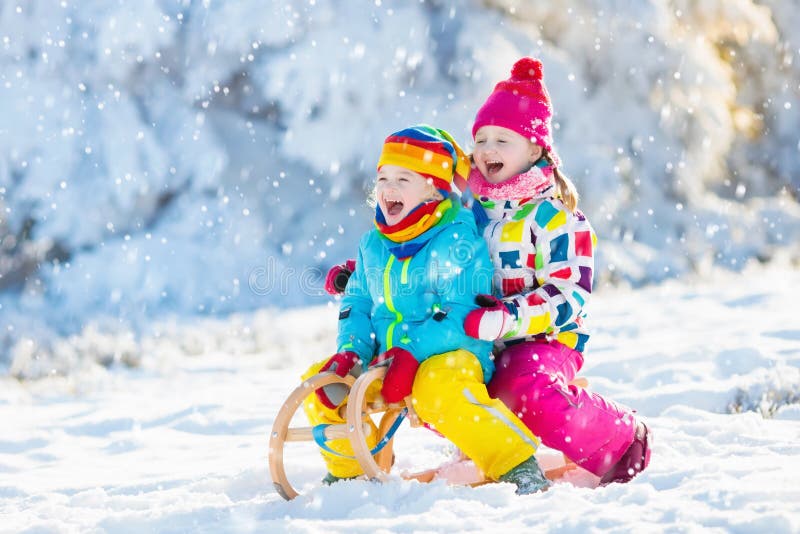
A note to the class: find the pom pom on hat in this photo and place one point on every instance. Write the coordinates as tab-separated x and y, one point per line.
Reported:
527	69
521	104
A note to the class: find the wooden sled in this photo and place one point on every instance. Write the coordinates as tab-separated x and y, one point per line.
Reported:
377	466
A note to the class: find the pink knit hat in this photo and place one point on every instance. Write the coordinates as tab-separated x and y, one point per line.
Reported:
521	104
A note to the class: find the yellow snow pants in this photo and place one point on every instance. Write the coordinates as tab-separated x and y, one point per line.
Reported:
448	394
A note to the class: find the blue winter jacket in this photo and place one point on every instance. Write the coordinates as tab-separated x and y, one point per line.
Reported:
418	303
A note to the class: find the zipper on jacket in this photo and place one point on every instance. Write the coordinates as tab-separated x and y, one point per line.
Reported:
387	298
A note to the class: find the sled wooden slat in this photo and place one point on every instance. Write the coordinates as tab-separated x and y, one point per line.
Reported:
580	381
429	475
558	472
331	432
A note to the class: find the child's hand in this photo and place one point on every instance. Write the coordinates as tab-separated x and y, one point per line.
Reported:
341	363
399	376
493	320
338	275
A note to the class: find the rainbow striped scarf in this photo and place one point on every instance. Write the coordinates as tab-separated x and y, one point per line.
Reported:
401	238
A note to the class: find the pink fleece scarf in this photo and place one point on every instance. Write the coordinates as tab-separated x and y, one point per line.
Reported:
531	183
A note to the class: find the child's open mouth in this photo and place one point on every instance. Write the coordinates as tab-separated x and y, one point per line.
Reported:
393	207
493	167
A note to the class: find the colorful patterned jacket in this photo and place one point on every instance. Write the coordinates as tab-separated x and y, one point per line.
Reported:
543	264
420	302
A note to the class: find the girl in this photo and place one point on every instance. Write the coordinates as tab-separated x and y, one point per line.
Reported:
414	283
542	249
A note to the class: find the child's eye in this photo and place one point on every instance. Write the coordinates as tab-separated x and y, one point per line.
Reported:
403	179
381	178
480	141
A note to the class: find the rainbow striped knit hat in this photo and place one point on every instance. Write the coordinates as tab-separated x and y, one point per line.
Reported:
429	151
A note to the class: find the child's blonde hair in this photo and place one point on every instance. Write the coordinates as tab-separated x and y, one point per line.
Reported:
564	186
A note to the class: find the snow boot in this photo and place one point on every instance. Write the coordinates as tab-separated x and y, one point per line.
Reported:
528	477
633	461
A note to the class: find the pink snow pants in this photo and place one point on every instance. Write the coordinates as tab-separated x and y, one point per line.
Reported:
532	379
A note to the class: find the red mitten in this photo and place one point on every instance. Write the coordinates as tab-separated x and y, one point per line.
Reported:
399	376
336	280
341	363
492	320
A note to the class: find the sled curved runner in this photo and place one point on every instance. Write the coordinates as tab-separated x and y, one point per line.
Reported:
374	467
378	466
282	433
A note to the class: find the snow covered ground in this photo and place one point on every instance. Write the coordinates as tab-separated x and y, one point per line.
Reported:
179	443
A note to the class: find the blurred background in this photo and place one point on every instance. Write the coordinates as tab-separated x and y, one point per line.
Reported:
183	160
